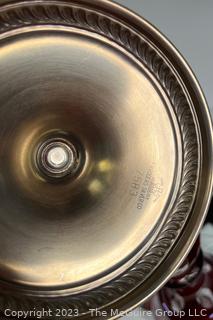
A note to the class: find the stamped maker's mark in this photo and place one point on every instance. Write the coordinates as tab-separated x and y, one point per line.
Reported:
146	186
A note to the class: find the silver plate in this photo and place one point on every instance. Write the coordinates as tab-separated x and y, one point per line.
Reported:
102	82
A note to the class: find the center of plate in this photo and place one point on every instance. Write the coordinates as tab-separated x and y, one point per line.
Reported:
57	158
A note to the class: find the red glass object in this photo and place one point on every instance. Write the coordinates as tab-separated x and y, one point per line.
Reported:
189	294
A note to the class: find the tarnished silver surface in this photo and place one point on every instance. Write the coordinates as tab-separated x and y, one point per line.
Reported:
105	156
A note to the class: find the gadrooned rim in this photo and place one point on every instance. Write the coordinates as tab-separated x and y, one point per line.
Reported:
127	35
